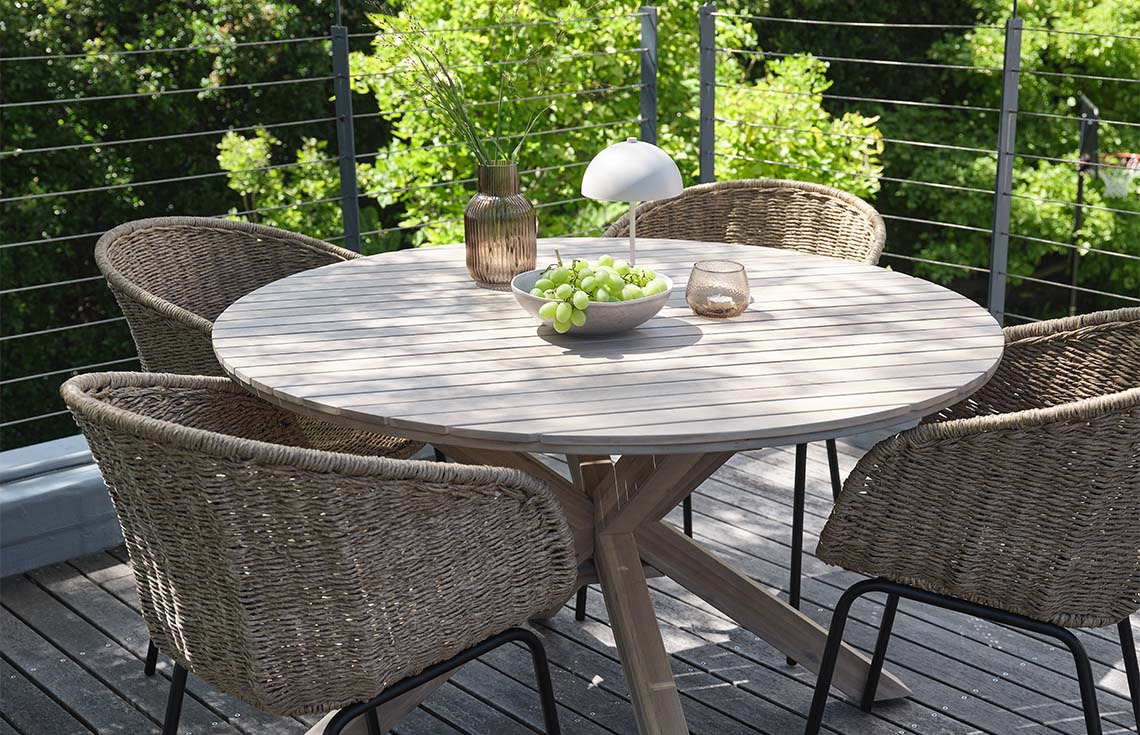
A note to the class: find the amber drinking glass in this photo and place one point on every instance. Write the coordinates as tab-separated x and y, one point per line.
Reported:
717	288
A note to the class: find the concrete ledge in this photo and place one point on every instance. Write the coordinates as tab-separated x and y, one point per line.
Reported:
53	506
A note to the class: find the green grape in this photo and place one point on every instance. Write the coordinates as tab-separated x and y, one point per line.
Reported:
602	294
621	267
585	273
544	284
564	291
589	284
580	300
649	274
547	310
615	294
578	317
536	292
548	294
562	312
631	291
617	283
656	286
579	264
559	275
606	260
561	327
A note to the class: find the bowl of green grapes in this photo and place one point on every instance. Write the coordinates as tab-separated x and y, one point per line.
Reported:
591	297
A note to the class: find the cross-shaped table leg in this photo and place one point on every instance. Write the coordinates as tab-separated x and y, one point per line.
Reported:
615	509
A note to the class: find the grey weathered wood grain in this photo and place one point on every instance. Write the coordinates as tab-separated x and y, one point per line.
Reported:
116	667
354	341
30	709
55	671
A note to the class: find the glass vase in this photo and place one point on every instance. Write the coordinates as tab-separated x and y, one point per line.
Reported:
499	228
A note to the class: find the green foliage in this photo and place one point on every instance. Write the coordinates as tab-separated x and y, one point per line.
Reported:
275	190
792	136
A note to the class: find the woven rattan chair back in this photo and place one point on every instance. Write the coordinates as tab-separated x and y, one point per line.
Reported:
794	215
173	276
301	580
1025	496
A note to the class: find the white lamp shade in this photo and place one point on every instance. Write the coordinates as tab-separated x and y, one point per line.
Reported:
631	171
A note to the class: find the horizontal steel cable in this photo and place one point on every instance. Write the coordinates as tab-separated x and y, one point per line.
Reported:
506	62
917	182
92	366
848	98
916	259
34	418
1071	287
162	138
496	26
53	330
853	60
163	92
900	141
171	49
175	179
860	24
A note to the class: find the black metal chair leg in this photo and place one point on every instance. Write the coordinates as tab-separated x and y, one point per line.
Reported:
797	530
541	667
151	658
687	515
880	654
1084	679
1132	671
831	652
580	604
372	722
174	701
833	465
545	685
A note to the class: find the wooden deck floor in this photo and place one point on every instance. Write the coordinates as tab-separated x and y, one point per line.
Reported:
72	644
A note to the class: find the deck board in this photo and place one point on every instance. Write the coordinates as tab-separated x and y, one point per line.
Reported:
73	645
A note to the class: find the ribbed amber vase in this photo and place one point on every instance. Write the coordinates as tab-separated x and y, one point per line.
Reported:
499	228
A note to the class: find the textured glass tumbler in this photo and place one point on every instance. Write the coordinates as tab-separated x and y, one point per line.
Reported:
499	228
717	288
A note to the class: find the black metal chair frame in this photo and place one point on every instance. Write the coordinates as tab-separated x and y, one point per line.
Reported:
797	524
895	590
368	709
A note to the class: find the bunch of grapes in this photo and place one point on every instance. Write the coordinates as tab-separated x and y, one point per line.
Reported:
572	288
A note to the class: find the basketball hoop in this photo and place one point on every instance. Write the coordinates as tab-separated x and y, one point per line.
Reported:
1117	170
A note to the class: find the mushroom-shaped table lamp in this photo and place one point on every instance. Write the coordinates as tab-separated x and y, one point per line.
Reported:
632	171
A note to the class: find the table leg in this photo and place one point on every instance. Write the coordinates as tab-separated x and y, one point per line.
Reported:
754	608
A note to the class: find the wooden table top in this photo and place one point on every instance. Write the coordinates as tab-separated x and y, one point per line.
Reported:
405	343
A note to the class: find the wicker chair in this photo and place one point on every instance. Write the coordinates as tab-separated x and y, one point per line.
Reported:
1020	504
173	276
792	215
300	580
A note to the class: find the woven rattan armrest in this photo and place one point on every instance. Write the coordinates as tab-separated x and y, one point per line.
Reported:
1032	511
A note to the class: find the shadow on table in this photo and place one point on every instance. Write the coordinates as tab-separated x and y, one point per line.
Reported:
659	335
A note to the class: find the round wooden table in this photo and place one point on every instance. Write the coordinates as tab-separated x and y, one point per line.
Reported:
406	344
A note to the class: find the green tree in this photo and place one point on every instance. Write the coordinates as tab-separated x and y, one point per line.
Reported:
76	34
586	75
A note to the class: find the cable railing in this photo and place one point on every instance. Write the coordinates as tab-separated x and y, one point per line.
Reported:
927	237
939	225
86	331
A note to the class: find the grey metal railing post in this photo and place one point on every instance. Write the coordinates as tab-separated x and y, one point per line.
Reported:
345	142
1003	187
708	93
649	74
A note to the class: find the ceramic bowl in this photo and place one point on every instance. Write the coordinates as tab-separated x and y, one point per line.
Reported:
609	317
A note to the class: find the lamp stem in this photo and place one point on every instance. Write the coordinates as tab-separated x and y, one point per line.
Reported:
632	232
